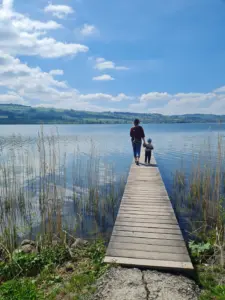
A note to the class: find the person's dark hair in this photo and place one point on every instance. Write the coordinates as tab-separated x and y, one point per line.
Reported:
136	122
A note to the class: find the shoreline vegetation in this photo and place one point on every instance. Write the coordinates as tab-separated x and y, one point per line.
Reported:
199	200
19	114
50	203
46	253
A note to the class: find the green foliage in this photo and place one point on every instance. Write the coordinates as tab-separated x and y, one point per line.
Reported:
95	253
55	254
216	293
20	290
212	280
90	266
32	264
49	276
200	251
81	284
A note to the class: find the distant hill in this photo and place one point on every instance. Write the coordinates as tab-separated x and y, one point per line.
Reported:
19	114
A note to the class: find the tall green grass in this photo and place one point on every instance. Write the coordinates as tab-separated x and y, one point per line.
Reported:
35	179
199	196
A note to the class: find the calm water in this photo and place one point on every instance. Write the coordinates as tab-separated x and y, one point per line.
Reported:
175	145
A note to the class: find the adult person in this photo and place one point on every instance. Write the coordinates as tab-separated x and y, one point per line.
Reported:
137	135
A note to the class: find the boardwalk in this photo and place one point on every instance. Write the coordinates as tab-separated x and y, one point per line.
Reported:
146	232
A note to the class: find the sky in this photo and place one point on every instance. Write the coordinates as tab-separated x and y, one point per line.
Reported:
152	56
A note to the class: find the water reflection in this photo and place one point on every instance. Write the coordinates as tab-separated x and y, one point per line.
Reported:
85	167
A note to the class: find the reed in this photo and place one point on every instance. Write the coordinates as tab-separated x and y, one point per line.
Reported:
199	197
45	192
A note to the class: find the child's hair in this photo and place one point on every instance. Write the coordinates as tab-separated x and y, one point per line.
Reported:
136	122
149	140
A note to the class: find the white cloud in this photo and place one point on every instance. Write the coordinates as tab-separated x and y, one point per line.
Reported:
220	90
59	11
105	97
26	85
7	4
29	82
20	35
154	96
181	103
102	64
56	72
12	98
22	84
88	30
23	23
104	77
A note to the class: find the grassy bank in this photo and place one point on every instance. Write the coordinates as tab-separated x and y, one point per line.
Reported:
60	271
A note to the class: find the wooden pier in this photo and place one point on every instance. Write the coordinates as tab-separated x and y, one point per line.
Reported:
146	232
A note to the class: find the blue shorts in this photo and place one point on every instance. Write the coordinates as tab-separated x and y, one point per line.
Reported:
137	149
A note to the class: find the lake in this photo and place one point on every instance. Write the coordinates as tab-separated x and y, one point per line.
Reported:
176	146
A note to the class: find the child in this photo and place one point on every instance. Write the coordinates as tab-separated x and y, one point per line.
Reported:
148	151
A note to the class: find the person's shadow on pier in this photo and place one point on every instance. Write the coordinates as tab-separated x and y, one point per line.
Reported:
148	166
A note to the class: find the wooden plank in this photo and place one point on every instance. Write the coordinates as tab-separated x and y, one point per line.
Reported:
147	217
146	203
161	211
146	224
145	182
147	213
148	255
148	248
147	207
144	195
137	178
147	241
147	198
147	229
149	194
147	220
143	189
149	263
149	235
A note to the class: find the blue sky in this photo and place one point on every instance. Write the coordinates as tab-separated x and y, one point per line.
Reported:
140	56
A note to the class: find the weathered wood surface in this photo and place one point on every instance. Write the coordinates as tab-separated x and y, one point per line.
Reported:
146	232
